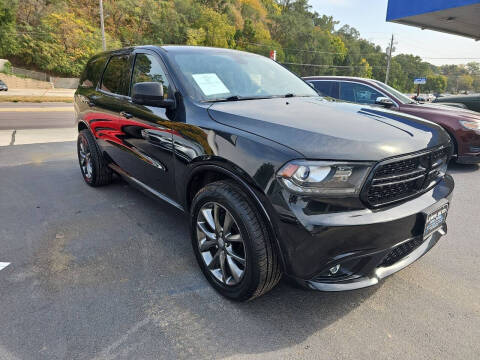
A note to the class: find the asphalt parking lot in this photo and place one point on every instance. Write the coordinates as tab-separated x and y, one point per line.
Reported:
109	274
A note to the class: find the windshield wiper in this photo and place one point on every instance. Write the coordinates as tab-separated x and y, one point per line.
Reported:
239	98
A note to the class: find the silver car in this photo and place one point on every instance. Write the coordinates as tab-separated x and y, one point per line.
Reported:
3	86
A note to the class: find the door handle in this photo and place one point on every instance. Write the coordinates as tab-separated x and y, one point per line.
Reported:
87	101
126	115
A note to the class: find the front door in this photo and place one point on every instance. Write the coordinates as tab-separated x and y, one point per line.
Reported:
147	130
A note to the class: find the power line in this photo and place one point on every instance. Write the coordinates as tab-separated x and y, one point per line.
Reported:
449	58
330	66
270	46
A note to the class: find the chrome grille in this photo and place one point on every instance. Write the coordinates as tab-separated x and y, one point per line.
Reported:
396	180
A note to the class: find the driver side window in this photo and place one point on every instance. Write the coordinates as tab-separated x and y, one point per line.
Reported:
358	93
148	69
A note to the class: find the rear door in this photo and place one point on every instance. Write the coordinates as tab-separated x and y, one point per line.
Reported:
358	93
326	88
109	103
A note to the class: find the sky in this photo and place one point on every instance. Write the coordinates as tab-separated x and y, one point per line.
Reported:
368	17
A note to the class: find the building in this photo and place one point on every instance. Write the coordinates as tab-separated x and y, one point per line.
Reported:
459	17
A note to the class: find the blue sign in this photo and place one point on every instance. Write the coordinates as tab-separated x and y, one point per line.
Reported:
420	81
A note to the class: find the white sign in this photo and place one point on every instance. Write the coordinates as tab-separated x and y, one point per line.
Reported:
210	84
420	81
3	265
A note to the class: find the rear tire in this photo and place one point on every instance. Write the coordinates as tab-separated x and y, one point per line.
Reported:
94	167
258	269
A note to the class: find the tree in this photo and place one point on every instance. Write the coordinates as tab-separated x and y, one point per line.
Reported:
62	44
476	83
436	84
8	44
465	83
59	36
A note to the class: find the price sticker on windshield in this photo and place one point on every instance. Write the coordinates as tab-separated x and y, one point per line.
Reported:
210	84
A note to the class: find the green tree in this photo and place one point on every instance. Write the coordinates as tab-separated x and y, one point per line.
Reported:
8	44
62	44
465	83
436	83
58	36
476	83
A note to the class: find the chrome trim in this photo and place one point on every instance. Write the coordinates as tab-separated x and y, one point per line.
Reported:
145	187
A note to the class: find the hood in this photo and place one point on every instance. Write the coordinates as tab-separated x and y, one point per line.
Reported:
327	130
431	111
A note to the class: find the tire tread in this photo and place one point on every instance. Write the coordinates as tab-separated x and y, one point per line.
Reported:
103	174
268	260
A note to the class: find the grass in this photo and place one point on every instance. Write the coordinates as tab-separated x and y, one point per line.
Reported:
35	99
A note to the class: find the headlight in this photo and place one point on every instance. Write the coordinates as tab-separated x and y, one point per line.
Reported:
324	178
471	125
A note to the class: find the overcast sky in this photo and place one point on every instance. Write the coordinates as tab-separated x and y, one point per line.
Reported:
368	17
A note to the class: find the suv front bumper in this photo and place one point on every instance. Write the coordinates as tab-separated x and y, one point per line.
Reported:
365	243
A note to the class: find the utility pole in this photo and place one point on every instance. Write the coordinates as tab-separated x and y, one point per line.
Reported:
102	26
390	50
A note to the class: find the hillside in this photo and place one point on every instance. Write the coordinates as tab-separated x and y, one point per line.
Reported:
58	36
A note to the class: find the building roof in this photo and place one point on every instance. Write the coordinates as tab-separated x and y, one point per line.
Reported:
459	17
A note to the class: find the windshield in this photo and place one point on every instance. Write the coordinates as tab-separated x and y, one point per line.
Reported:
401	97
233	75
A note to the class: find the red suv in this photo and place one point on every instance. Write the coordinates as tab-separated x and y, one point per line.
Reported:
462	125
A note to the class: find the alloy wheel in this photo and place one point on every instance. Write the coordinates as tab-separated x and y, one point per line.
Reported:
85	158
220	244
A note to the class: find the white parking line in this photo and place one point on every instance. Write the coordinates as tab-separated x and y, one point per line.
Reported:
5	137
38	109
37	136
3	265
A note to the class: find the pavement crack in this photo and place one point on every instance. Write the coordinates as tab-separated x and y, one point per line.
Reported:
12	141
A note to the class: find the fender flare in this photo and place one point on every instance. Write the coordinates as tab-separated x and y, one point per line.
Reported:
259	200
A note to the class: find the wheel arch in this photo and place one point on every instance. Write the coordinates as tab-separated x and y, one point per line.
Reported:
204	174
82	125
451	133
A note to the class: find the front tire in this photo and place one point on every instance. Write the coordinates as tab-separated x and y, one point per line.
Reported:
231	242
94	167
453	141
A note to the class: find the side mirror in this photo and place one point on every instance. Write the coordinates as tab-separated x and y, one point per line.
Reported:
384	101
151	94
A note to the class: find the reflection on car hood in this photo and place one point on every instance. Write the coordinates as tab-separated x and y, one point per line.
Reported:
321	129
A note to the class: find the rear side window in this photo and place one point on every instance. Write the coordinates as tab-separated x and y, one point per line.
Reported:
326	88
358	93
92	73
116	76
148	69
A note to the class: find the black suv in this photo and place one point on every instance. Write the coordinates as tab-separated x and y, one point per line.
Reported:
275	179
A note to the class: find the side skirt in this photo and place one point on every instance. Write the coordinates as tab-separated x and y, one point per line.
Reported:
130	179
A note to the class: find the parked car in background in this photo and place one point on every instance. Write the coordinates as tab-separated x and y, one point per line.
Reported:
274	178
462	125
420	98
471	102
3	86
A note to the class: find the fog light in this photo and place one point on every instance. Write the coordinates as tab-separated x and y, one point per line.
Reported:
334	269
